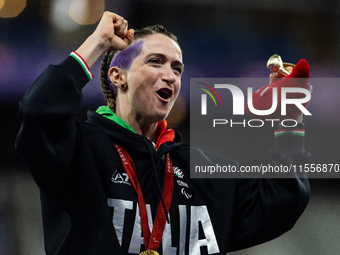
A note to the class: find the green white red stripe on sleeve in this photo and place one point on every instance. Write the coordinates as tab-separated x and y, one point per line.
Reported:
283	132
83	64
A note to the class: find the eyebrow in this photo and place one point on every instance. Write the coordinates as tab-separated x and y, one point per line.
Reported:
163	57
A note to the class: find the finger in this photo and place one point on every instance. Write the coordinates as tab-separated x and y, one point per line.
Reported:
112	17
115	17
274	76
107	18
122	42
289	69
121	27
129	36
107	23
117	21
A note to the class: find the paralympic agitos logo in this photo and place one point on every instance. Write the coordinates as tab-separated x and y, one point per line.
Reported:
238	108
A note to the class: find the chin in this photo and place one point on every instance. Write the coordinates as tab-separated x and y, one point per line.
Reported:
160	116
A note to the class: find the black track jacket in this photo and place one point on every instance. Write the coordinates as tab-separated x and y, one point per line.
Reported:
89	206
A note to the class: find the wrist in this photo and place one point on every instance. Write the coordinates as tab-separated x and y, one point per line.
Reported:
92	49
290	138
83	64
100	44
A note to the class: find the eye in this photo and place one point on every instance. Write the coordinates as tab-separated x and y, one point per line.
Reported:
154	60
178	70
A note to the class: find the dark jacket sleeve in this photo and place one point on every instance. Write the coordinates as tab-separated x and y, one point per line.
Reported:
48	134
268	207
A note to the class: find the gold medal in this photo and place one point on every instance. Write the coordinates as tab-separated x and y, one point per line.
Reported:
149	252
276	65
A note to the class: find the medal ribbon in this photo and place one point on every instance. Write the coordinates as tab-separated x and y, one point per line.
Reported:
151	240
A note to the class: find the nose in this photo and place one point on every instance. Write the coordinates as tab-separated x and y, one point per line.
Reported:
168	75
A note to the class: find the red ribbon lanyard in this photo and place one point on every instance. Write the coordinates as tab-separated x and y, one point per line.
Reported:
152	240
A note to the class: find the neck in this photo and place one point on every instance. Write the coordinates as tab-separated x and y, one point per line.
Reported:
139	125
147	130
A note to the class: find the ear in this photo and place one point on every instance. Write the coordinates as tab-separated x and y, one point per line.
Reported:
117	76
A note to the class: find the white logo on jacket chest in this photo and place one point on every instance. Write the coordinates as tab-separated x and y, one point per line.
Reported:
178	172
186	190
120	178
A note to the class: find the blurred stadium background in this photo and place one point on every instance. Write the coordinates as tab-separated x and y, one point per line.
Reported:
219	39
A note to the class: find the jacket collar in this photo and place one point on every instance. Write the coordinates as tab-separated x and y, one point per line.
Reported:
119	131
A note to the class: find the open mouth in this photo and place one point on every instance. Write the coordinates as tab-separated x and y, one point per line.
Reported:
164	93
